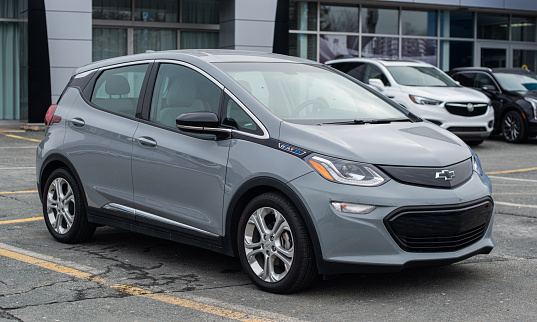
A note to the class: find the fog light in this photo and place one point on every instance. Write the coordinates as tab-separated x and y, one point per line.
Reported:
491	123
352	208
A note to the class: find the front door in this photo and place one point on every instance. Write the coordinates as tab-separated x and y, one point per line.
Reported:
179	179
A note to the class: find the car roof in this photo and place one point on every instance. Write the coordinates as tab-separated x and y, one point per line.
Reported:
206	55
522	71
381	61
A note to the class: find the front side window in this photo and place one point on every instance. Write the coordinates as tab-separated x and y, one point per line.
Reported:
465	79
310	94
118	89
420	76
237	118
180	90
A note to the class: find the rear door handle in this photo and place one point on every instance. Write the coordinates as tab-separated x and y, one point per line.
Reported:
78	122
147	141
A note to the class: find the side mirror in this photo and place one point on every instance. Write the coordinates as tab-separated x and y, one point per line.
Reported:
201	122
377	83
489	88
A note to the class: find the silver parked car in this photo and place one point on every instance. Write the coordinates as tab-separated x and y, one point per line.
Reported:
295	168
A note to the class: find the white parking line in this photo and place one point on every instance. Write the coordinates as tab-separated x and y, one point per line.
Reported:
514	204
514	179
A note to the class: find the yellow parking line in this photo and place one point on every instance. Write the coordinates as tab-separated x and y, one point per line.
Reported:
512	171
135	291
19	137
12	192
14	221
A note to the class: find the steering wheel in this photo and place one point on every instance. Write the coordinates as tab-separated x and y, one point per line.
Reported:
317	105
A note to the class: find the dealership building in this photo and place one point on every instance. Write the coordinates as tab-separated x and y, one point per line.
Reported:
43	41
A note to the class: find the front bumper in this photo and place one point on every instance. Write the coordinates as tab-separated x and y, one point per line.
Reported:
352	243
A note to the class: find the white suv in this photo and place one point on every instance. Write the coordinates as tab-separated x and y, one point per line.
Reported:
426	91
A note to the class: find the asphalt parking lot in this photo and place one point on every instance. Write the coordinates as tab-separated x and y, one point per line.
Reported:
119	276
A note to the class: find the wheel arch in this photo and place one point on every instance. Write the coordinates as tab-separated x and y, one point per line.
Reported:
255	187
51	163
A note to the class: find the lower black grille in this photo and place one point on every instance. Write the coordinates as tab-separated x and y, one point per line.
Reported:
467	109
445	229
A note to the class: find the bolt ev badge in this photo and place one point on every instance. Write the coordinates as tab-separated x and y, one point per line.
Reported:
445	174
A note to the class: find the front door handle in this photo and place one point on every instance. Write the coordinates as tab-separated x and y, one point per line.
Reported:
147	141
78	122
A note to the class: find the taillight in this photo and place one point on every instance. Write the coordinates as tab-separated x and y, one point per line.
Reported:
50	118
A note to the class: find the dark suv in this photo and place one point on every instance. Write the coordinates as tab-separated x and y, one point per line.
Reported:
513	92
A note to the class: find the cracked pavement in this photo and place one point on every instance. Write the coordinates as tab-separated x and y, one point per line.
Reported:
498	286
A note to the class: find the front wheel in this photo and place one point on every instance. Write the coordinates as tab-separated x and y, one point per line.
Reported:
513	127
64	210
274	245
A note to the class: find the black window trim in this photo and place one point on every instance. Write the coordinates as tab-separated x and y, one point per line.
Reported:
481	72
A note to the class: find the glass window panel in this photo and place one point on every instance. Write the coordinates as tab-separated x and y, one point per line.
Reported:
148	39
491	26
159	11
493	57
455	54
112	9
199	39
523	28
525	59
338	46
108	43
10	70
302	45
380	21
302	15
380	47
457	24
418	23
236	117
9	9
339	18
118	89
419	49
180	90
201	11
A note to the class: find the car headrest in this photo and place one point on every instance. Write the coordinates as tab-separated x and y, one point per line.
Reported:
117	85
181	93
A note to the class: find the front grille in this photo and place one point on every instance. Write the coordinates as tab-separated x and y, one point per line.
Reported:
444	229
467	129
432	176
466	109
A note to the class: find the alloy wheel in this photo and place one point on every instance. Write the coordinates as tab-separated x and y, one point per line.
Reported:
61	205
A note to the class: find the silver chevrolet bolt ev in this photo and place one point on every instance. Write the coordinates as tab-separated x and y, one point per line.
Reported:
294	167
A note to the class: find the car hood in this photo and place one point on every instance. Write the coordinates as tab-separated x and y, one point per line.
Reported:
397	143
448	94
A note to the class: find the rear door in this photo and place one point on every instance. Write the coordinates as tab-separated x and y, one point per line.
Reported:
100	128
179	179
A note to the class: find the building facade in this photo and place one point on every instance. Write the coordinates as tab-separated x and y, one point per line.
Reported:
43	41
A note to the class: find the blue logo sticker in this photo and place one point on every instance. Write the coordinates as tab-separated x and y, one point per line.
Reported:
291	149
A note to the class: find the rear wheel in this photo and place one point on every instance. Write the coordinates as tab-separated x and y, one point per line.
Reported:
64	210
513	127
274	245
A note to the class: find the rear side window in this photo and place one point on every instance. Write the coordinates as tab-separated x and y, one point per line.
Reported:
118	89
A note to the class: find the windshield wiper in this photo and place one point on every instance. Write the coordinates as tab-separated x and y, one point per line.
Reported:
370	121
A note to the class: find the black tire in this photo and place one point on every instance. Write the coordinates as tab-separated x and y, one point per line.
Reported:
292	237
57	207
513	127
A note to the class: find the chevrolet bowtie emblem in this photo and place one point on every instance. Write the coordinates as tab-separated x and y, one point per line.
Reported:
445	174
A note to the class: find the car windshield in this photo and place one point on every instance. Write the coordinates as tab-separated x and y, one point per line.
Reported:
517	82
420	76
309	94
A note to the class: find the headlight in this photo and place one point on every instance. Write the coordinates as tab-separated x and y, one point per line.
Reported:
347	172
477	164
533	103
424	100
